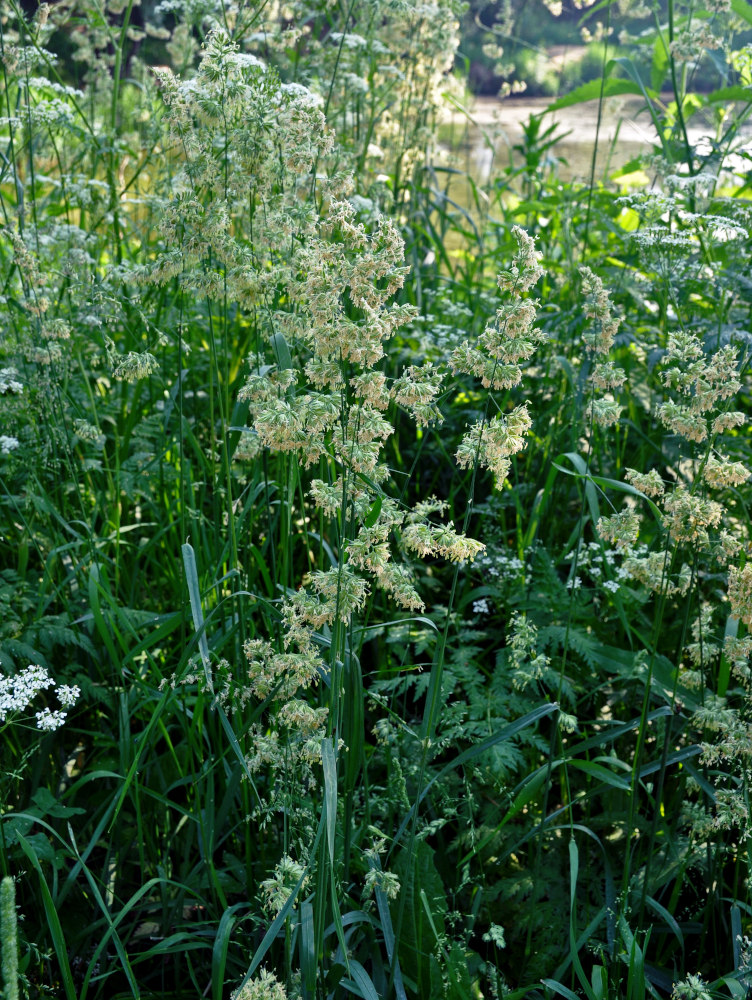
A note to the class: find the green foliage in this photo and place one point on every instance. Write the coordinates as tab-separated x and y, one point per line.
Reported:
374	567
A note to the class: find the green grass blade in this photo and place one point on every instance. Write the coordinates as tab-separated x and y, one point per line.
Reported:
53	921
470	754
574	867
361	981
307	949
220	949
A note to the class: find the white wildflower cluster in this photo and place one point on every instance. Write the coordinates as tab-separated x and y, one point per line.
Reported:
621	529
418	534
626	562
266	226
715	715
704	387
387	882
493	444
720	473
135	365
8	444
671	237
651	571
9	382
499	567
601	566
19	691
334	277
600	338
738	651
495	935
649	483
688	515
376	878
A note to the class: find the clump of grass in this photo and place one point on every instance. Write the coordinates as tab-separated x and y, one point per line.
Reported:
9	937
388	559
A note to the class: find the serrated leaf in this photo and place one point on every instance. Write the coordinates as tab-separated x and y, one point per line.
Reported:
729	94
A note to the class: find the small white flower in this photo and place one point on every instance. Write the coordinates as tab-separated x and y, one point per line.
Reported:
481	607
611	585
7	444
49	721
301	93
9	381
574	584
68	696
18	692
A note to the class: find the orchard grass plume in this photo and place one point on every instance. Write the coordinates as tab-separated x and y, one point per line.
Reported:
375	560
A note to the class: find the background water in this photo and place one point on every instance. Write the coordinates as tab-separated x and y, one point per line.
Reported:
483	143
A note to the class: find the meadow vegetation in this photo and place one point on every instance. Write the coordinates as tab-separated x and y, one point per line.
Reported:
374	570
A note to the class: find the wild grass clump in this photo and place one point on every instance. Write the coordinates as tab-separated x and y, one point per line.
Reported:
374	568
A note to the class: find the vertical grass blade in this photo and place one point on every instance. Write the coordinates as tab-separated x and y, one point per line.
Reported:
53	921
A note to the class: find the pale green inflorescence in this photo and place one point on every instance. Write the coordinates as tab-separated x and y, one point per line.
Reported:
272	227
265	987
9	938
507	342
604	411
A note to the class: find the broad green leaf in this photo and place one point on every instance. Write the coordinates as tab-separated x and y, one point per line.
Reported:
735	988
361	979
194	595
281	351
660	64
736	935
593	90
307	949
373	514
742	9
563	991
673	758
220	949
574	868
388	932
604	483
663	913
600	773
330	793
53	922
729	94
